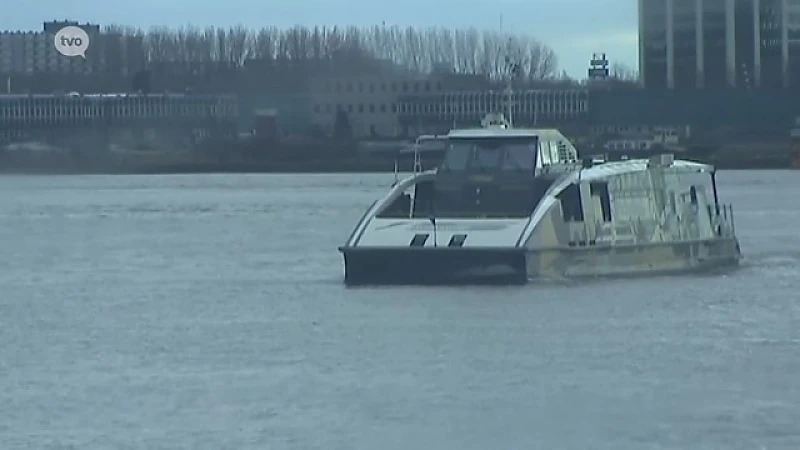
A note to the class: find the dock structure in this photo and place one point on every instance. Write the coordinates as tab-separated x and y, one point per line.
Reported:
53	118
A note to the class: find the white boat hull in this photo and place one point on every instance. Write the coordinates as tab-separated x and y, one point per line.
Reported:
632	260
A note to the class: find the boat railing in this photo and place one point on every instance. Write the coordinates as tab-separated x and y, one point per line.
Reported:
725	224
615	233
417	162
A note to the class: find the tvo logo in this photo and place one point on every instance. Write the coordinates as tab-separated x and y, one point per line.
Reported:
71	41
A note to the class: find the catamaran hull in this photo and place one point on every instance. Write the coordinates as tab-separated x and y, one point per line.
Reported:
427	266
430	266
675	258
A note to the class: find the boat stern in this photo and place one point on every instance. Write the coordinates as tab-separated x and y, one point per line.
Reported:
430	266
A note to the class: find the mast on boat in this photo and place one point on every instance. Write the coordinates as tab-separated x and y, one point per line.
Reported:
513	66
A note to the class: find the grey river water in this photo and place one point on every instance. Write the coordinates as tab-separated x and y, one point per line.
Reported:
208	312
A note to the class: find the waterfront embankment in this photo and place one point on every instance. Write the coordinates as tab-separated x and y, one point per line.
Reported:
192	163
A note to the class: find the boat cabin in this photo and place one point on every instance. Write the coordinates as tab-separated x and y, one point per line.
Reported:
490	172
493	172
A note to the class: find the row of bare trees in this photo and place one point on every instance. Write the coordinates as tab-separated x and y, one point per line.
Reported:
469	51
241	60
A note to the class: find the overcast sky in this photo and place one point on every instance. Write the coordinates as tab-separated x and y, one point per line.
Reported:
573	28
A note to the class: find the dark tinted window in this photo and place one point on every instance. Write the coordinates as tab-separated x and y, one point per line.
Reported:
491	154
600	189
571	205
456	159
519	157
486	158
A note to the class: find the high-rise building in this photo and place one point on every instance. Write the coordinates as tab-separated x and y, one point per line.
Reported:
719	43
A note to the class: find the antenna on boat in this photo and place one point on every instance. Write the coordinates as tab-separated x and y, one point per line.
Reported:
432	218
510	103
513	67
396	169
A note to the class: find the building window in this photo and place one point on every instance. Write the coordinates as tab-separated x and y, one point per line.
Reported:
383	108
317	109
360	87
405	86
394	87
427	87
372	87
349	86
416	87
438	85
360	107
394	107
338	87
328	108
383	87
350	108
372	109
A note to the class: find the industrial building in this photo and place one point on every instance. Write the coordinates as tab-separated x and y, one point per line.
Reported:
719	43
370	101
376	104
51	118
438	112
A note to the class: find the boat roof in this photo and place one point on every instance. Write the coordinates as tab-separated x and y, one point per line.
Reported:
431	137
610	169
477	133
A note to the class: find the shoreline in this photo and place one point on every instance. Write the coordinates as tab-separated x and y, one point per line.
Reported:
354	166
252	171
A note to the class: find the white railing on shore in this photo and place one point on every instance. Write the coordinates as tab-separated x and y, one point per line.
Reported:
21	110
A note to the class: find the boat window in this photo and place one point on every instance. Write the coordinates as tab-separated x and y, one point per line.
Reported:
399	207
424	197
485	157
600	189
544	152
519	157
418	240
456	158
491	154
491	200
571	206
457	240
553	152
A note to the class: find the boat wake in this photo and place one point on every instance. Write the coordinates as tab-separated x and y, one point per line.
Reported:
772	260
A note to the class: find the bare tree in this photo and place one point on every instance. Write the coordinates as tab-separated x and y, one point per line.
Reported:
239	39
622	76
622	72
264	44
467	51
208	58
